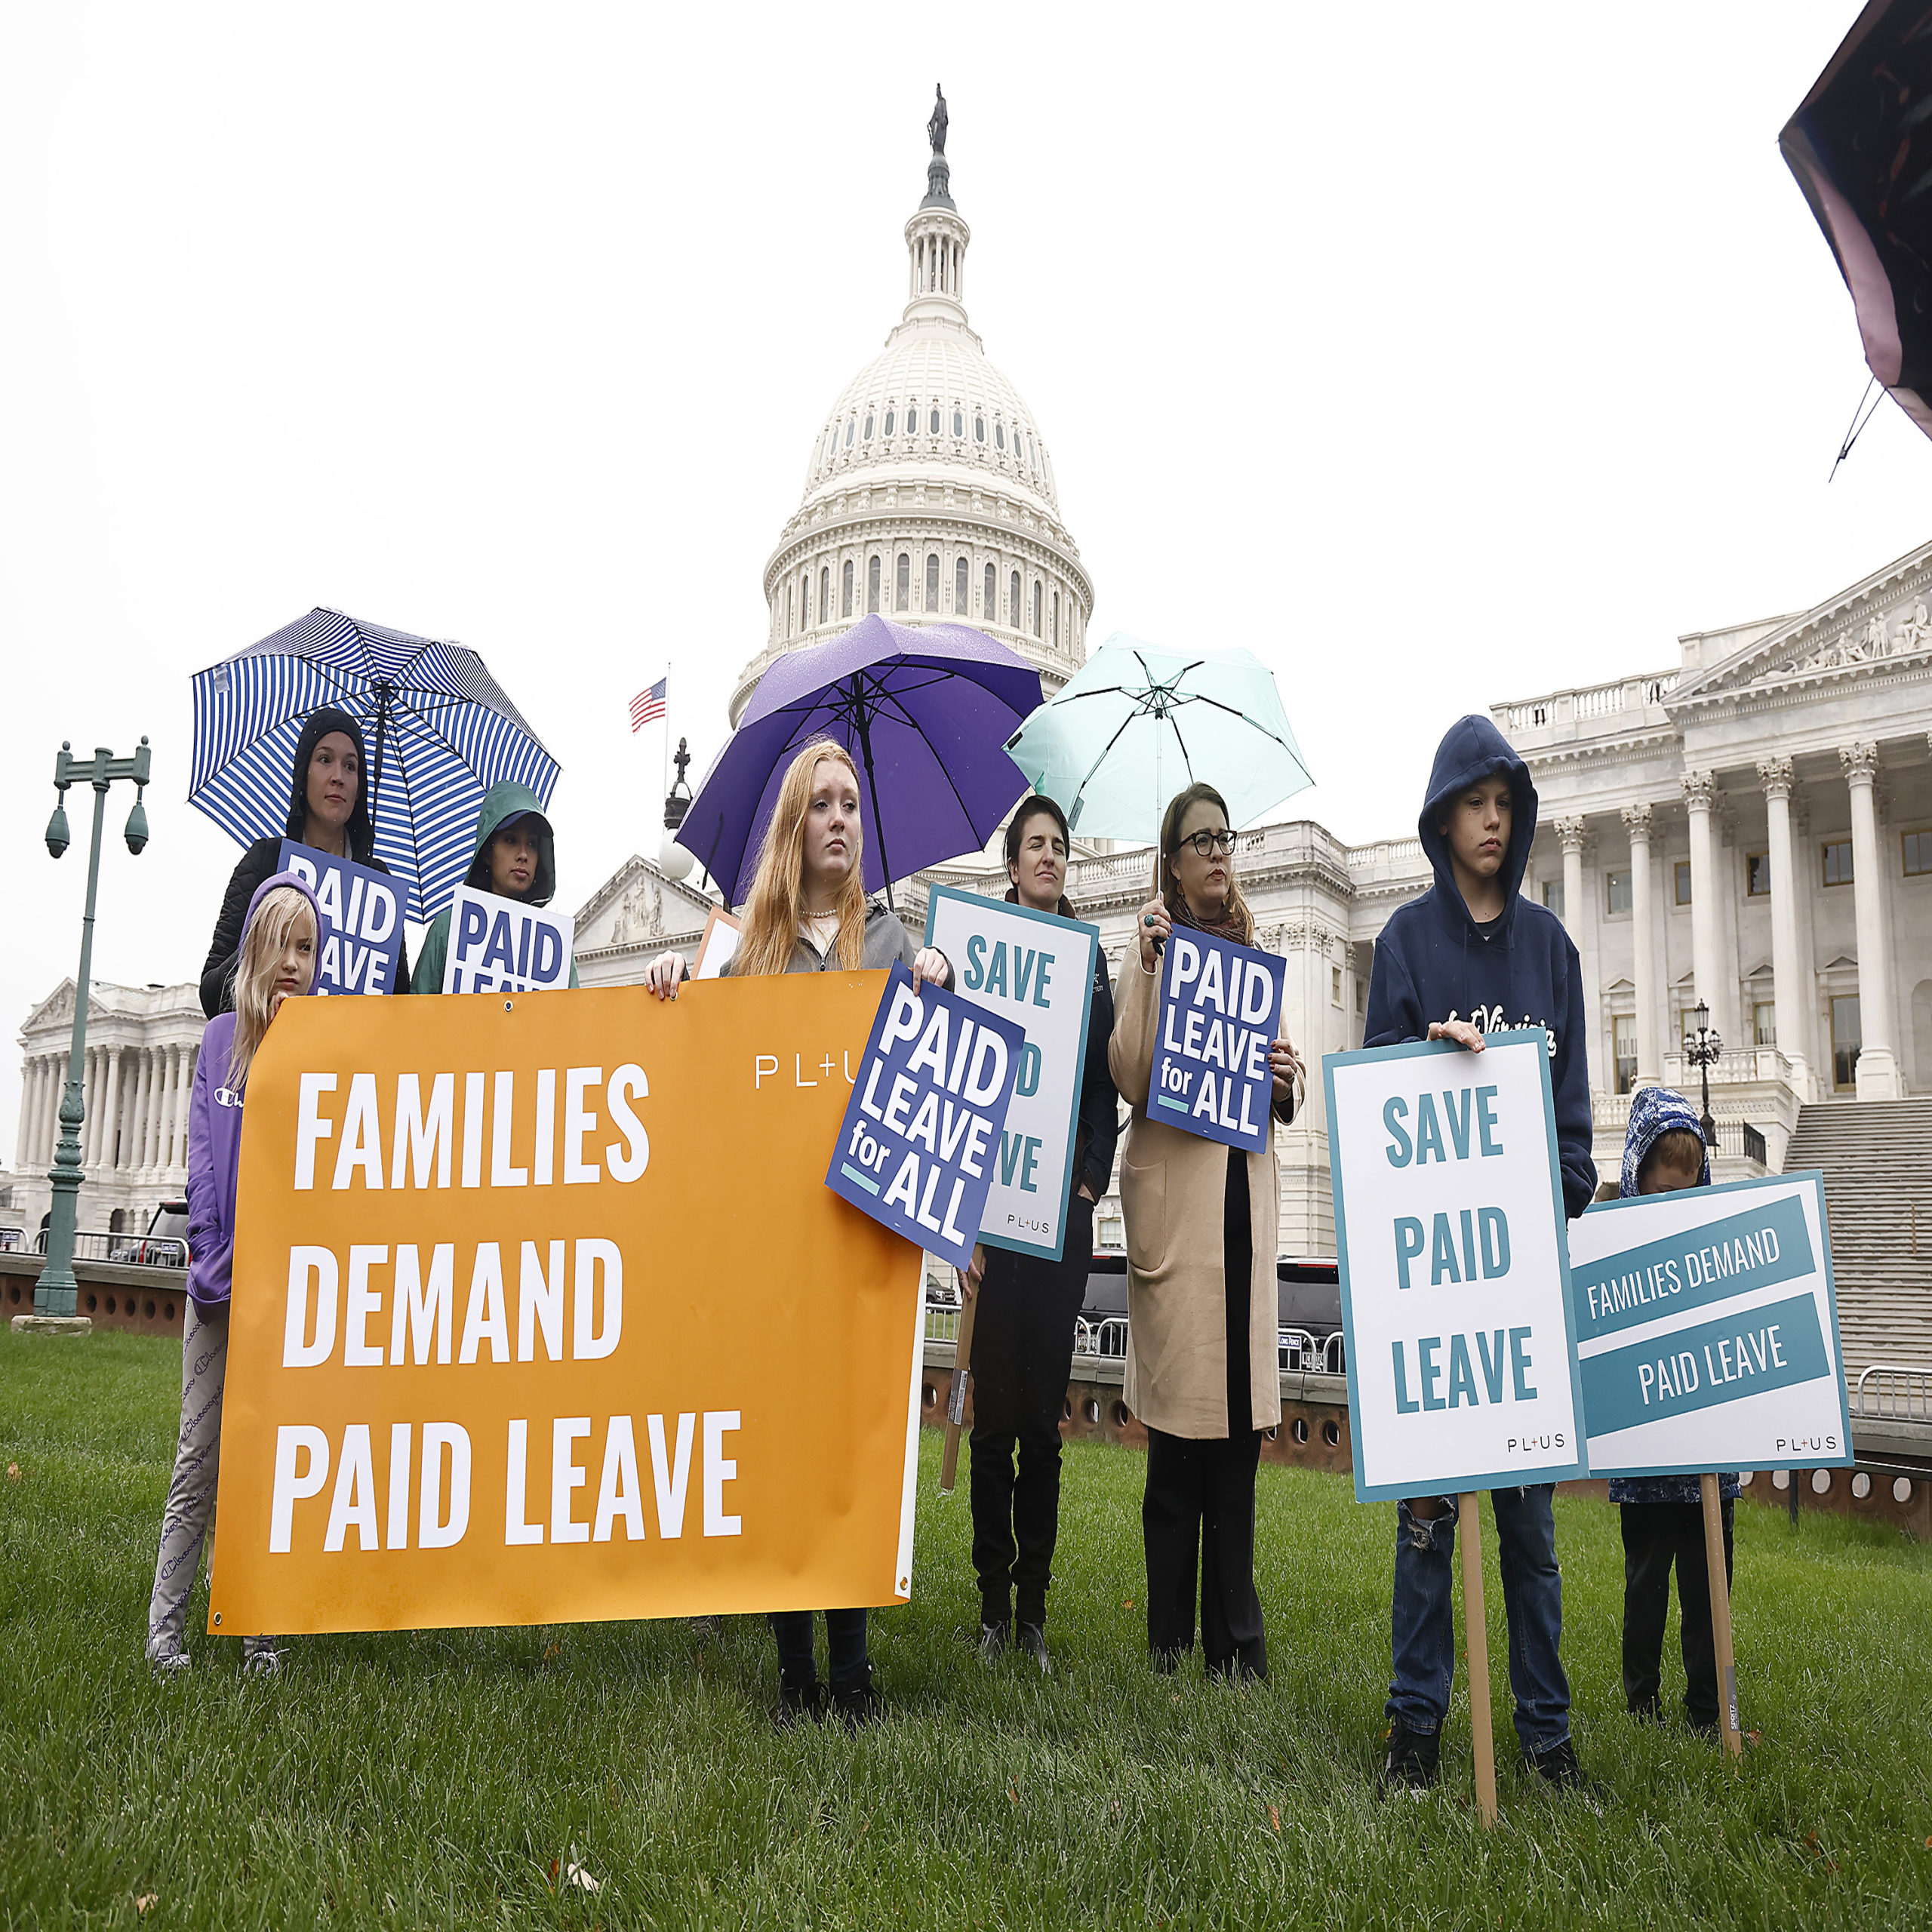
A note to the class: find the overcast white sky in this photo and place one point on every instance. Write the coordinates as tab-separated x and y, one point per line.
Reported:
1438	355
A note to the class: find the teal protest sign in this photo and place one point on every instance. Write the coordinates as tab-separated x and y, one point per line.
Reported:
1708	1331
1455	1292
1036	970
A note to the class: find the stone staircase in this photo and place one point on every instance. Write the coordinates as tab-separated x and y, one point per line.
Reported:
1876	1157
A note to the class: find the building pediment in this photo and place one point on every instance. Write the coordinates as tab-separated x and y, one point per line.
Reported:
637	904
1885	620
57	1009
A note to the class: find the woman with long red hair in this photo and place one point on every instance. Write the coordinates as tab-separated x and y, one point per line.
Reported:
808	912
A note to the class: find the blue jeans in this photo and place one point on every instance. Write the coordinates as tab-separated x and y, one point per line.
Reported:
1423	1630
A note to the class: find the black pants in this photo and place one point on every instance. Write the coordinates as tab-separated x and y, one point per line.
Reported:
1197	1517
1022	1354
1656	1535
845	1639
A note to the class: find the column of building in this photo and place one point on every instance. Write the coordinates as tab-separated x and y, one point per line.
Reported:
1574	834
1791	997
134	1159
1639	819
1877	1064
184	1076
1715	988
151	1152
50	1114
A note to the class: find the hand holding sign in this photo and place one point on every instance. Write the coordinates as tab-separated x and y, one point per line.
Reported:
917	1147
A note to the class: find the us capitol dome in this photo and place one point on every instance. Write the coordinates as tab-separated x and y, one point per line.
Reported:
929	491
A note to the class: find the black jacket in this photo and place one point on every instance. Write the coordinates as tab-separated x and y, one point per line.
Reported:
1099	1100
258	862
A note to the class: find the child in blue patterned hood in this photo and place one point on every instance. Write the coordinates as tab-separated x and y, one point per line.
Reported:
1663	1516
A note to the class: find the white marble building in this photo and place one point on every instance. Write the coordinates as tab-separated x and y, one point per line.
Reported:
143	1043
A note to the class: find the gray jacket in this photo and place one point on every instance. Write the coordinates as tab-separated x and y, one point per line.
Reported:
886	940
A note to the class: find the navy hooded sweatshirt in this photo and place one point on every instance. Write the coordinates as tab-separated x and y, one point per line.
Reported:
1433	962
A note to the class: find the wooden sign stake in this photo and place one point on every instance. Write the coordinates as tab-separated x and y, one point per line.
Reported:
1475	1636
1727	1662
955	1401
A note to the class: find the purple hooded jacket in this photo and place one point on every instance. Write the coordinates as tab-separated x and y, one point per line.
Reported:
214	1133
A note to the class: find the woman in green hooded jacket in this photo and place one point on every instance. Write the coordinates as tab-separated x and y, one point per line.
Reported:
515	859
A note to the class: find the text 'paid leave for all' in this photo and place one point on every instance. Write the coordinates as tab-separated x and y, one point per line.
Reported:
511	1342
1220	1004
1037	971
1707	1327
1449	1227
919	1145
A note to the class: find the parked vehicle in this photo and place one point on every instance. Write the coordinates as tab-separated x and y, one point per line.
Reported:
162	1244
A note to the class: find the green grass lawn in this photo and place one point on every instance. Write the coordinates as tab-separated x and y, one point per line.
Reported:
434	1780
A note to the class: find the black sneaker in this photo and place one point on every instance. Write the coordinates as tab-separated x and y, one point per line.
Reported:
1030	1641
856	1703
1556	1765
994	1638
797	1702
1414	1760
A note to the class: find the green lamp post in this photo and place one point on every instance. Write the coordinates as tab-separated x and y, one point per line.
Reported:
54	1293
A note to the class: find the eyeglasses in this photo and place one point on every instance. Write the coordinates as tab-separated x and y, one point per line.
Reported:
1209	844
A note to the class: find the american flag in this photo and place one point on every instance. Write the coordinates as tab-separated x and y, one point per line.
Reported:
648	706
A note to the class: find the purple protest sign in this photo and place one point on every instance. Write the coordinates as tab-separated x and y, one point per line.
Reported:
917	1147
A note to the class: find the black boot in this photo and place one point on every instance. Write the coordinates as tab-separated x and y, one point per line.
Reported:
854	1699
1413	1761
797	1702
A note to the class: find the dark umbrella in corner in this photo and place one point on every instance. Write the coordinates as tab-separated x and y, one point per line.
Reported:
1861	147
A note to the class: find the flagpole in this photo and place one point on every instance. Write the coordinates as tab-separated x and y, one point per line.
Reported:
664	745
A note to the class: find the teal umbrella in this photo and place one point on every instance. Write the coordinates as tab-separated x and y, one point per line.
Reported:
1139	723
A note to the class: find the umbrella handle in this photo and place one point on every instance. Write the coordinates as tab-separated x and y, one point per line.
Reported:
383	687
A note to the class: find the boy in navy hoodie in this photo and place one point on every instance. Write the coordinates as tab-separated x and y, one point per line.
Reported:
1470	957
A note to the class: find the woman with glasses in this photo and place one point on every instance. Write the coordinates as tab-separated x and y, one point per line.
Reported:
1202	1222
808	913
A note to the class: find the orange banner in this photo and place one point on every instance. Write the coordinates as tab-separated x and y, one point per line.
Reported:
544	1312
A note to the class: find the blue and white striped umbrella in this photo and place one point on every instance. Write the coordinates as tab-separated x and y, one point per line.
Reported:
440	732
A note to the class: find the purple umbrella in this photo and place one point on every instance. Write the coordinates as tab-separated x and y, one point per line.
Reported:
925	713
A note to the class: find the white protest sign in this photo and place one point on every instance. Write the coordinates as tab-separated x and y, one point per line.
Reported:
498	945
362	909
1707	1331
719	945
1036	970
1455	1293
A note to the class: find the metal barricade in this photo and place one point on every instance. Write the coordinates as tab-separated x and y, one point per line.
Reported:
1891	1392
1296	1348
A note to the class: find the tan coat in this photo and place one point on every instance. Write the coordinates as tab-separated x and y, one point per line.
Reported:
1172	1192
